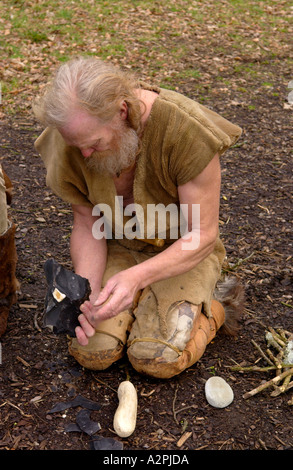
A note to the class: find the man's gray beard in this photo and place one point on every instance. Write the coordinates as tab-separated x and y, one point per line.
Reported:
112	162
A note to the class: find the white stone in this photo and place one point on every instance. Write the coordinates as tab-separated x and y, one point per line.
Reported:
218	392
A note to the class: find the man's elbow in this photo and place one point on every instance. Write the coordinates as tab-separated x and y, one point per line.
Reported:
210	244
208	240
200	241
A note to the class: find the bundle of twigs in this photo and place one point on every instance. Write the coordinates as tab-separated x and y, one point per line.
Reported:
280	360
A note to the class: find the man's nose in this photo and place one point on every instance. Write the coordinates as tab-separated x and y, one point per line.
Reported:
87	152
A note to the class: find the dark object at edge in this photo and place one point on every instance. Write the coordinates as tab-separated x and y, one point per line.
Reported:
66	292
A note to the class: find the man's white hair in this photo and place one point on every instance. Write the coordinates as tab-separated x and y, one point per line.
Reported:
93	85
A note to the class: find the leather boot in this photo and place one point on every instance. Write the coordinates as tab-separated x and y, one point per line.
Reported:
8	282
106	346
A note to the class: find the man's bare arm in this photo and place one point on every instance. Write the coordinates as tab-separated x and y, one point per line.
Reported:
89	257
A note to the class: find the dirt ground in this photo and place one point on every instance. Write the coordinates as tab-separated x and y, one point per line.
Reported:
256	212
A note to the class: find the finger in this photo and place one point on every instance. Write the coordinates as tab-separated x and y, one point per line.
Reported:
111	308
88	329
85	307
80	336
104	296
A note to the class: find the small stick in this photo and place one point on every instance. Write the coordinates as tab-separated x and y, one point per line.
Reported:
104	383
280	390
257	369
14	406
253	368
277	361
286	382
282	334
173	404
262	353
267	384
277	337
274	359
184	438
288	333
26	364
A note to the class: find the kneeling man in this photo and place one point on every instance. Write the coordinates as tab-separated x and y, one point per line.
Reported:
115	143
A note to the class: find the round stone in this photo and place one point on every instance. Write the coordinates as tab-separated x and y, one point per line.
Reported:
218	392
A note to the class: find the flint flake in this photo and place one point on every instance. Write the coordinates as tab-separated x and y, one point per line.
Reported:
66	292
79	400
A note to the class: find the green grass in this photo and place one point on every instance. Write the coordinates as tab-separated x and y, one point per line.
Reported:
160	40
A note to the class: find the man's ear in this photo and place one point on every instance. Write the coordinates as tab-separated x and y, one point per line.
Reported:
123	110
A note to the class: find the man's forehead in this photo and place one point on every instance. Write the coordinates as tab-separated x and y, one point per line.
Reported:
79	118
82	127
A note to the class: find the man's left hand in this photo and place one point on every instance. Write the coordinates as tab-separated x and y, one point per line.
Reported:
118	295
